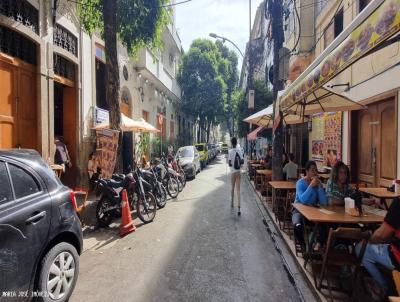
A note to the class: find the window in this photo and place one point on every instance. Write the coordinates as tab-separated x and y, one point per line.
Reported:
338	23
24	183
363	4
333	29
5	186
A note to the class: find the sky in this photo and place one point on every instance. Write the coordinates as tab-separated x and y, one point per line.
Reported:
228	18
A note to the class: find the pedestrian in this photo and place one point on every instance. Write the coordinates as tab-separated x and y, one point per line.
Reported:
94	169
235	162
61	157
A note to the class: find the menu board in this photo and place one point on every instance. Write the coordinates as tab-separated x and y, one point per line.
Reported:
107	142
333	138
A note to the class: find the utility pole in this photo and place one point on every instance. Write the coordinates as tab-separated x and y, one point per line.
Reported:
276	13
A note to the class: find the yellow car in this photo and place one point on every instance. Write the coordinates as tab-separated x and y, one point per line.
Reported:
203	151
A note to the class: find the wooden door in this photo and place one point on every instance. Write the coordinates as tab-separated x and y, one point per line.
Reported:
70	121
386	143
125	109
366	170
377	144
8	97
27	117
18	106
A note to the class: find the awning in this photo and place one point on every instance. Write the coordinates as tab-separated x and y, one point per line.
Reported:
264	118
128	124
375	24
252	136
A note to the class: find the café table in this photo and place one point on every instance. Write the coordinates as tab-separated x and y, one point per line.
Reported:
58	169
324	176
253	168
264	175
331	215
382	193
282	188
394	299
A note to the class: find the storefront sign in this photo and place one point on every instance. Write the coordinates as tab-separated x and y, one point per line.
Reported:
107	143
101	115
376	28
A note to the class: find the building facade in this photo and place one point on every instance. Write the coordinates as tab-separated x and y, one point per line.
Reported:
53	83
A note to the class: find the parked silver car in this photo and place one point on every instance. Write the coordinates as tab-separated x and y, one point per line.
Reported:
189	159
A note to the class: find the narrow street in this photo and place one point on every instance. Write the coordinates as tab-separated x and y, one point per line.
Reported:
197	249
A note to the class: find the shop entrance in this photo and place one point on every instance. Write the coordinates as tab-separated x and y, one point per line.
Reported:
375	155
18	105
65	116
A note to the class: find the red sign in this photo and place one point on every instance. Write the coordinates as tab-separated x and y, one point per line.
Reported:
160	119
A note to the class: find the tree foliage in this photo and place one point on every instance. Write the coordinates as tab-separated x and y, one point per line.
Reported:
208	77
139	22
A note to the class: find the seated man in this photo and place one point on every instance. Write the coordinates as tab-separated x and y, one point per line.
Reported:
290	169
380	251
309	191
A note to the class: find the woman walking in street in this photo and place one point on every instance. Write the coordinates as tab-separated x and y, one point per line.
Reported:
235	162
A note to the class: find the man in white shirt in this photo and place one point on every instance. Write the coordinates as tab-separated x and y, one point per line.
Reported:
235	162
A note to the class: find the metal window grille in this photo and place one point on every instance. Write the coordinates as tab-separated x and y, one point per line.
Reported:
65	39
21	11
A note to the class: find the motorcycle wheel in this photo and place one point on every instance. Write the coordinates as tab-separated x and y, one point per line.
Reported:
104	218
183	178
173	188
147	208
161	196
180	184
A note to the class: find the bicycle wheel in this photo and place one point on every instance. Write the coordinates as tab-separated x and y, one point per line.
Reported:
147	207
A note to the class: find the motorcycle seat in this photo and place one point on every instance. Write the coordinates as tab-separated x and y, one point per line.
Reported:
115	183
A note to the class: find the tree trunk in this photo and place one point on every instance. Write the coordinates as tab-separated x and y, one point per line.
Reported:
277	32
208	131
112	72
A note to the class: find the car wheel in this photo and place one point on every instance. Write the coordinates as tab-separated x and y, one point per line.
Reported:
59	272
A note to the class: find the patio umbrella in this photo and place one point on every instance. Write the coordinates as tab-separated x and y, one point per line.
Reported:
147	127
264	118
323	100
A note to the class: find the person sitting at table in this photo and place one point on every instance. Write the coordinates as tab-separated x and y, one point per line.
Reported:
309	191
290	169
383	249
268	159
285	159
338	186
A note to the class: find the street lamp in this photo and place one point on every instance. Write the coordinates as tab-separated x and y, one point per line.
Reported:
215	36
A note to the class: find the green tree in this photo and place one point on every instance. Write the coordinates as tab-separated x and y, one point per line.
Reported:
136	23
207	75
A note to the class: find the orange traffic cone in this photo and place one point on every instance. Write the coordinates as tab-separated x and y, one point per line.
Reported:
127	225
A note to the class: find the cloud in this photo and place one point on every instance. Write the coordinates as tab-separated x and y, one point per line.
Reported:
228	18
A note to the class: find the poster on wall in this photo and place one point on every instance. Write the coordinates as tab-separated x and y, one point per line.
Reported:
107	144
333	138
317	150
317	139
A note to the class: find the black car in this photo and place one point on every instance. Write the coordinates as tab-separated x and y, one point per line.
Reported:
40	233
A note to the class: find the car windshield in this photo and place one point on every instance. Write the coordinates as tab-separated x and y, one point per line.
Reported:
199	147
185	152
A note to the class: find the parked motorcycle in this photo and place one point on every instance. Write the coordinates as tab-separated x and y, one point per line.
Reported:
157	188
168	177
139	197
181	173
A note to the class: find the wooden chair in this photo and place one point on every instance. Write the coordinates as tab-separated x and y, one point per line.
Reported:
334	259
396	279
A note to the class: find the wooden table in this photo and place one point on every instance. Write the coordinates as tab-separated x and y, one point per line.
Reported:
253	168
381	193
281	210
329	215
324	176
335	215
58	169
394	299
264	176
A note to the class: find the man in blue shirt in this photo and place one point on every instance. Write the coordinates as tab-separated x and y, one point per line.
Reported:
309	191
